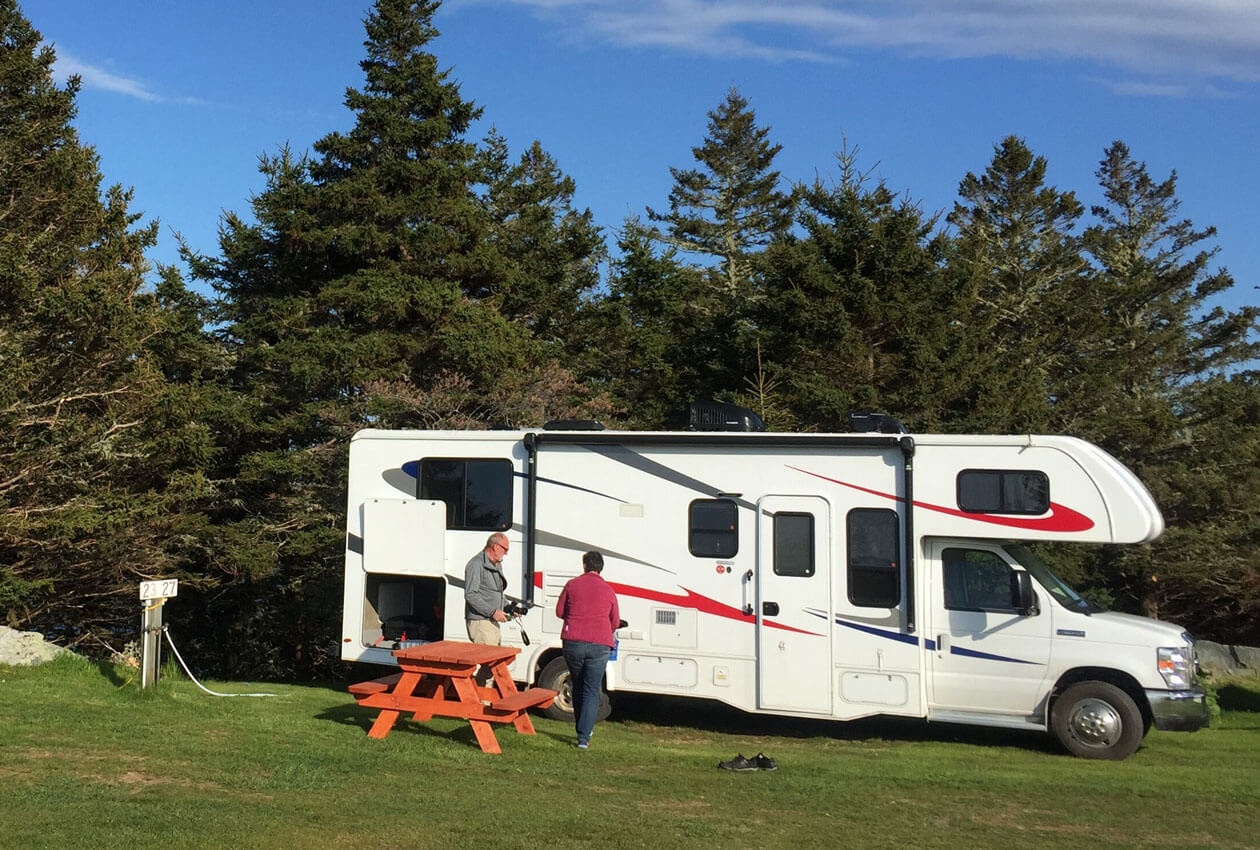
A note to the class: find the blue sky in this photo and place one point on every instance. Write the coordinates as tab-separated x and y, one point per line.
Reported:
181	97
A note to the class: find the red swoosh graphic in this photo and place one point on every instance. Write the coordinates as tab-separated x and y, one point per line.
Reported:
1061	518
703	604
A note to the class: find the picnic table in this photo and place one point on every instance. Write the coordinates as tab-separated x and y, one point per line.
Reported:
438	680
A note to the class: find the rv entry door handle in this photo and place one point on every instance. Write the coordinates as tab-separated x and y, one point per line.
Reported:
770	609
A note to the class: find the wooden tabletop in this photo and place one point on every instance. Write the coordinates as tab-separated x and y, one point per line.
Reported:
457	652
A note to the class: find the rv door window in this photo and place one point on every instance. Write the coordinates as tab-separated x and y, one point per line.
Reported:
978	580
713	528
477	491
874	545
793	544
1003	491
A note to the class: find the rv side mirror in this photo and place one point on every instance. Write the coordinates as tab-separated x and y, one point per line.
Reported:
1022	589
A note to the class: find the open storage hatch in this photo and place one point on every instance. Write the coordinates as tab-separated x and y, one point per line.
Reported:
404	563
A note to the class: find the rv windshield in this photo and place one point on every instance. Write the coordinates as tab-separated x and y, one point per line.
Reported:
1063	594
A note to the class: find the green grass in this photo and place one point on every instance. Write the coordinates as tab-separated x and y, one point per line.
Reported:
89	760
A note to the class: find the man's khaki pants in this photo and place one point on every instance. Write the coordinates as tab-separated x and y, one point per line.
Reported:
484	631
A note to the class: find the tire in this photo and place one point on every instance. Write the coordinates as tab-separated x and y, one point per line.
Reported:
555	677
1096	720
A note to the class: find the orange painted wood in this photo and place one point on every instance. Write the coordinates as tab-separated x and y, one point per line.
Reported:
375	686
540	697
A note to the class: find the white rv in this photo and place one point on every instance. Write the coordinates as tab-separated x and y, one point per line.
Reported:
812	575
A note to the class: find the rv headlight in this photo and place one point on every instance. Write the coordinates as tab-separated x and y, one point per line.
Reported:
1174	664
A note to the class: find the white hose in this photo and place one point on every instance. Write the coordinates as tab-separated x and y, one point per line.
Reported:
194	678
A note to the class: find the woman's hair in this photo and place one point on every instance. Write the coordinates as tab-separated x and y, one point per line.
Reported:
592	562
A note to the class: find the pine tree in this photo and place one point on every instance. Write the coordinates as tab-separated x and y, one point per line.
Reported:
731	205
550	251
855	315
1154	376
104	460
1017	253
654	350
386	283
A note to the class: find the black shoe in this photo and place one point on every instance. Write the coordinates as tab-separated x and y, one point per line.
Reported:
739	764
764	762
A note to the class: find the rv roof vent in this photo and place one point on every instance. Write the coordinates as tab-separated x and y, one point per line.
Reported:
573	425
881	423
720	416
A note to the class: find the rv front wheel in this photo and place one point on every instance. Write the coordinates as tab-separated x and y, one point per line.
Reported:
1097	720
555	677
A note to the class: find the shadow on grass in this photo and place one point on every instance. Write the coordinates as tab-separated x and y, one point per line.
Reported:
709	716
354	715
1234	697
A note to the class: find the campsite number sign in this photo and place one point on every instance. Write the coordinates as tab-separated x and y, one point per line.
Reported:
161	589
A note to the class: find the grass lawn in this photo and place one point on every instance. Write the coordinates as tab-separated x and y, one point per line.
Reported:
89	760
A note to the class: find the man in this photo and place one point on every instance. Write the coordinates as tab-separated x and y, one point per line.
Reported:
484	585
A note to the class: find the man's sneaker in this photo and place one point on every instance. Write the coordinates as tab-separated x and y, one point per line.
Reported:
584	745
738	764
764	762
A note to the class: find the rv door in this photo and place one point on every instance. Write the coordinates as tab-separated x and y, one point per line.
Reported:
794	604
990	653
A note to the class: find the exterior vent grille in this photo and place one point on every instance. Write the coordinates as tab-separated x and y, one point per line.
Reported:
666	618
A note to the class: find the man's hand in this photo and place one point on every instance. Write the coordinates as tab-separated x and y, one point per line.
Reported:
498	616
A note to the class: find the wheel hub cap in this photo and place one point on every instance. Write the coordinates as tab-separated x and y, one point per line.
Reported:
1095	723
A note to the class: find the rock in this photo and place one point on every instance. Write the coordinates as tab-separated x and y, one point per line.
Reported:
1248	658
1221	660
22	649
1215	659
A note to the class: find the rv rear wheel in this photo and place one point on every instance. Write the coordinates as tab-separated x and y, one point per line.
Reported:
1096	720
555	677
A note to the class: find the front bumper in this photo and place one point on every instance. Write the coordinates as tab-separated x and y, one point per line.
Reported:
1179	711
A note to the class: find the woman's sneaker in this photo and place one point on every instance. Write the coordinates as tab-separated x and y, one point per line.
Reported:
764	762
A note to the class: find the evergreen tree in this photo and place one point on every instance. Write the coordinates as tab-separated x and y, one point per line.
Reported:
732	204
103	459
387	282
654	351
1149	371
856	316
549	252
1018	256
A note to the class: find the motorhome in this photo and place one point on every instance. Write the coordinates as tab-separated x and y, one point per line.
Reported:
811	575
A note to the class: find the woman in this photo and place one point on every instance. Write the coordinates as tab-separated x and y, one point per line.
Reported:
588	607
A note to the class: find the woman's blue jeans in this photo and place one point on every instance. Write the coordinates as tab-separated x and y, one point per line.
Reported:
586	662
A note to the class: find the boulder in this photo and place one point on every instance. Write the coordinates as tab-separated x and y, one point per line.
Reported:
1219	659
1248	658
21	649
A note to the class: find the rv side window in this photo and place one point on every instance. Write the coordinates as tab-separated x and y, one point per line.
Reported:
477	491
874	543
978	580
793	544
712	528
1003	491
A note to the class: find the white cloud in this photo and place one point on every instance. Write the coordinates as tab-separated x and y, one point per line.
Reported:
1164	39
98	78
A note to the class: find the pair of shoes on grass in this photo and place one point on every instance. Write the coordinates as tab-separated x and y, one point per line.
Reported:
739	764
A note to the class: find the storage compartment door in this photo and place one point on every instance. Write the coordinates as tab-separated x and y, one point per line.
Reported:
404	537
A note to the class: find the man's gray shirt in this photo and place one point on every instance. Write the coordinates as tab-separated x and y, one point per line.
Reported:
483	588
